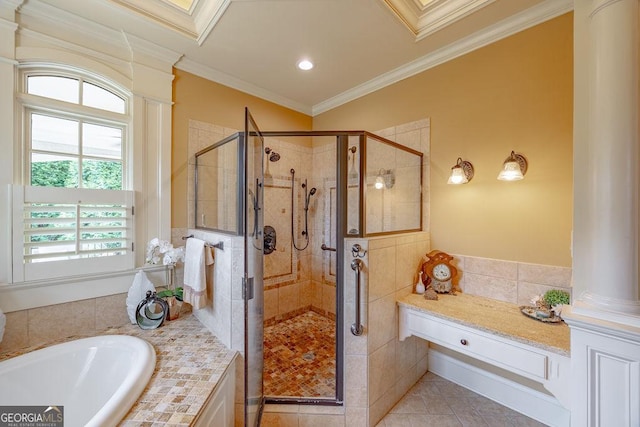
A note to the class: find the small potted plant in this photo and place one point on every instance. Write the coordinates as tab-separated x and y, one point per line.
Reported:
161	249
550	303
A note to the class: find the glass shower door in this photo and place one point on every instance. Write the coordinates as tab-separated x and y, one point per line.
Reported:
253	290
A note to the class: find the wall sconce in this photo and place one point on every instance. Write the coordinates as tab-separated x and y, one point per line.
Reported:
514	168
461	172
385	179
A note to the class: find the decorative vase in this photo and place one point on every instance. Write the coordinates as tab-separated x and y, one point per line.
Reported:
419	285
151	312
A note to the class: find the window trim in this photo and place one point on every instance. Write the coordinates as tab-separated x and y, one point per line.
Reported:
29	104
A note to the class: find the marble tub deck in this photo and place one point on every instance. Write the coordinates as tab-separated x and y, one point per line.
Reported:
497	317
190	361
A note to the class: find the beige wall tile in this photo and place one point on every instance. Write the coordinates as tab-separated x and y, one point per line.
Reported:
288	298
545	274
321	409
491	287
356	397
316	294
380	407
382	322
406	355
62	320
354	344
270	303
313	420
329	298
381	272
407	264
237	324
356	417
111	311
409	138
305	296
381	242
422	366
355	368
16	332
381	371
491	267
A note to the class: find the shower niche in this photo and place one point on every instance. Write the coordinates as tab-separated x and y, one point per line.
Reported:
318	189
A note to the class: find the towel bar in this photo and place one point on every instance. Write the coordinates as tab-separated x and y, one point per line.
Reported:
219	245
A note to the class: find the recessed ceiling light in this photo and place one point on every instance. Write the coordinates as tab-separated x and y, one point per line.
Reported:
305	65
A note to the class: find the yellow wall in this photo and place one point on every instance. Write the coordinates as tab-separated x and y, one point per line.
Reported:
199	99
515	94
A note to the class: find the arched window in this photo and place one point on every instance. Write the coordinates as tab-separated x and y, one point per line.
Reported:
74	201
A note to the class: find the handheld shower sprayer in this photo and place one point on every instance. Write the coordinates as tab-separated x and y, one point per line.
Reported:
307	200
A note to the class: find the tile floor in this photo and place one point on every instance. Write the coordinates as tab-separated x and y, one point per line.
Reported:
434	401
299	357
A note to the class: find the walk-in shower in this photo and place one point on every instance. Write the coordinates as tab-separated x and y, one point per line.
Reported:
318	189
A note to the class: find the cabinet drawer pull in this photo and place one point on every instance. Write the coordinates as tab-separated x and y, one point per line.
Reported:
463	341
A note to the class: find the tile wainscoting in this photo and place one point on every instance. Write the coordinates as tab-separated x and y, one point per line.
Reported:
510	281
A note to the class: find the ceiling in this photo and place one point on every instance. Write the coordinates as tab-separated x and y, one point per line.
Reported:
357	46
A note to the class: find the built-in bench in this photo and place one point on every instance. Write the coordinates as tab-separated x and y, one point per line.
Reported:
498	335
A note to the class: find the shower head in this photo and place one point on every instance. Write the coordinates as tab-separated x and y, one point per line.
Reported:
274	157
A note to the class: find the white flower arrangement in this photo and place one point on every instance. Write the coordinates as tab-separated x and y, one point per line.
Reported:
158	250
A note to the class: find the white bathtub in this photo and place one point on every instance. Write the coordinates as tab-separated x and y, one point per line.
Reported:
96	379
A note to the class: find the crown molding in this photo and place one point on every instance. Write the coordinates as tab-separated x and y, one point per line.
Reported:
8	25
206	16
102	39
505	28
9	7
208	73
55	18
139	46
68	47
195	23
10	61
422	20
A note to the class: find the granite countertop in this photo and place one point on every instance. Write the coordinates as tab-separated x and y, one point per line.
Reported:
190	361
496	317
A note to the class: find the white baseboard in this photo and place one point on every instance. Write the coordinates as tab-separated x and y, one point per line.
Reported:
532	403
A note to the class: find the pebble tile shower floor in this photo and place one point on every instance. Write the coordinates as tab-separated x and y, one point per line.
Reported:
299	357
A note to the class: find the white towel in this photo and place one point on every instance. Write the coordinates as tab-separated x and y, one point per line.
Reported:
197	257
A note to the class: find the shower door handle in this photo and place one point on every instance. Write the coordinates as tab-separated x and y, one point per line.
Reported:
356	328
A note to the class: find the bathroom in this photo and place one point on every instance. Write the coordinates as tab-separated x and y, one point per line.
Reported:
510	240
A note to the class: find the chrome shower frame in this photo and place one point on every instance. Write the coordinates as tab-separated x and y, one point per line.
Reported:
344	150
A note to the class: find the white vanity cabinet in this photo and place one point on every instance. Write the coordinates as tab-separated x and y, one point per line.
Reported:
497	334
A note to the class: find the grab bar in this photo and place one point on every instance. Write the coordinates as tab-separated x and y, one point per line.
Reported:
356	328
327	248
